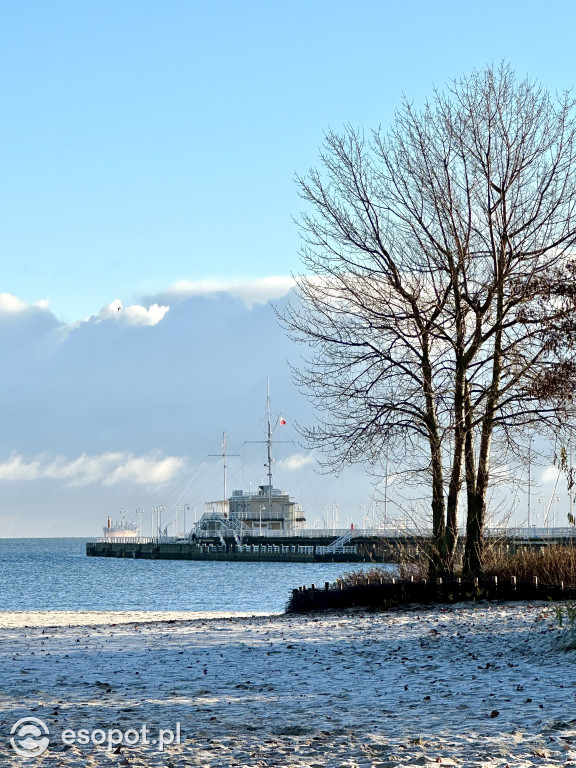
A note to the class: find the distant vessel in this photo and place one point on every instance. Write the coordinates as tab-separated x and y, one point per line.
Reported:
269	509
245	512
121	530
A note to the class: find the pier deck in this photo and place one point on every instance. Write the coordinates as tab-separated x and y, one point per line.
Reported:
348	546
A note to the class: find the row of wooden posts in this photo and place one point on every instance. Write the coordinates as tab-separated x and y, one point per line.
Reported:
389	593
439	581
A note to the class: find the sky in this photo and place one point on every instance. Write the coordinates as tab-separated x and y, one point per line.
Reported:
148	153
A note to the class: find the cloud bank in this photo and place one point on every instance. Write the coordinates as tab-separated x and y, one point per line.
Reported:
108	469
151	310
250	292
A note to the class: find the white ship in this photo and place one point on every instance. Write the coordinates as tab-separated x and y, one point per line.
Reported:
121	529
269	509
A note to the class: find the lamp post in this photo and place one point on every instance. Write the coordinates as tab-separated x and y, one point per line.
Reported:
334	516
262	507
186	508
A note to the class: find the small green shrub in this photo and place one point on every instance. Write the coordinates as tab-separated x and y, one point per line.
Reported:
567	639
569	609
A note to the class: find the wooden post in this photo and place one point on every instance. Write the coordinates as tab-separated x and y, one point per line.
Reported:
313	587
326	586
439	591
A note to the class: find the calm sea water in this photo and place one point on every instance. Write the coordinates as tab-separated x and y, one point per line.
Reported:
56	575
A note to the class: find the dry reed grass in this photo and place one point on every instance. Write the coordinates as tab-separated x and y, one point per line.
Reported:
551	564
378	574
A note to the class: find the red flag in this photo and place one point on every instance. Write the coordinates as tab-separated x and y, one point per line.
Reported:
282	421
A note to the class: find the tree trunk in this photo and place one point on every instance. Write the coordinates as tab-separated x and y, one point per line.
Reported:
455	485
437	555
476	492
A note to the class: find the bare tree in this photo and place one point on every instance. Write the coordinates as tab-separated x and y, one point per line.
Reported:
438	300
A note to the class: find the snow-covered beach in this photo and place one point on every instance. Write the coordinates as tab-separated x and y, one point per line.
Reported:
473	685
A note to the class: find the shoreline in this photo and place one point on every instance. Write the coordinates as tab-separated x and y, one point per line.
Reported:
467	684
30	619
68	618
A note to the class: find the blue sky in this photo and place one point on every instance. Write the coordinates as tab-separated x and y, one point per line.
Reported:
143	143
148	145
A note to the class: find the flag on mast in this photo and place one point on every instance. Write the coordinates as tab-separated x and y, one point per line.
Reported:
282	421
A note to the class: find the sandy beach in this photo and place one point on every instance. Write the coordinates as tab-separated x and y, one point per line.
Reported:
470	685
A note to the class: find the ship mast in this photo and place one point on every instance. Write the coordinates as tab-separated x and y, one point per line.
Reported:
223	456
269	444
224	462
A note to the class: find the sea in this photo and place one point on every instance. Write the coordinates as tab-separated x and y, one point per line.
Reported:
56	575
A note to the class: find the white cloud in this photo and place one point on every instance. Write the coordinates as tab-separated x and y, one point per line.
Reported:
296	461
16	469
11	305
550	474
146	471
133	315
113	468
251	292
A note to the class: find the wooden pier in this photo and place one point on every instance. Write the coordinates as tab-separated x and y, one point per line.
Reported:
252	549
350	546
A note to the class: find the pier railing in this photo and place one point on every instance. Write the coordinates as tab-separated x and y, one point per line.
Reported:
516	534
408	532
